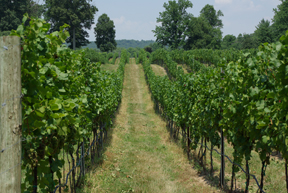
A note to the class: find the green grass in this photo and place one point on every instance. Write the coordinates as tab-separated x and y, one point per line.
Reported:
109	67
139	156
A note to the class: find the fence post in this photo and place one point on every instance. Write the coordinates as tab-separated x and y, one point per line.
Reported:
10	114
222	170
83	158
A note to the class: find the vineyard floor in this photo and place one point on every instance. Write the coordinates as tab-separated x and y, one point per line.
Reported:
158	70
184	67
139	155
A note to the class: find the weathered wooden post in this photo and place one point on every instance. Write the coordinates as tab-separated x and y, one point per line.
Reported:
10	114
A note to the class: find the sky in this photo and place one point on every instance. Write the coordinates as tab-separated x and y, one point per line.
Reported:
136	19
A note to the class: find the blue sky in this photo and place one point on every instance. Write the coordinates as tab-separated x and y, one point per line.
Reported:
136	19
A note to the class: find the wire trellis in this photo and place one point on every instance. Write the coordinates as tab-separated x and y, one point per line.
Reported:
227	158
3	105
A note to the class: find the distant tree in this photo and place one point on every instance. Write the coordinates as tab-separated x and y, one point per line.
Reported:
105	34
249	41
155	46
148	49
200	34
263	32
228	41
209	13
78	14
174	22
280	19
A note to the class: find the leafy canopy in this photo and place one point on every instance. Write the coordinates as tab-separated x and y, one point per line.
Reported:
79	14
280	24
263	32
209	13
105	34
173	23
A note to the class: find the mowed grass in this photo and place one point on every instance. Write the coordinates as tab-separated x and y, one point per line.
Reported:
139	155
158	70
111	67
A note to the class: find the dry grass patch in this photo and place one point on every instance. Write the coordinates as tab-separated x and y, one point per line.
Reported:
158	70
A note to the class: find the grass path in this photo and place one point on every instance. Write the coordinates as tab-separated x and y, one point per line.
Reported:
158	70
139	156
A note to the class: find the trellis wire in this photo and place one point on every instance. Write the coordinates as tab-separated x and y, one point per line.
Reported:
80	161
227	158
7	47
11	99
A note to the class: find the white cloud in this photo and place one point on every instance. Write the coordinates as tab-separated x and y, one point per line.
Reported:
119	21
223	1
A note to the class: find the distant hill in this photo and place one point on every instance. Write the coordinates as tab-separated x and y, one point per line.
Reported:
125	44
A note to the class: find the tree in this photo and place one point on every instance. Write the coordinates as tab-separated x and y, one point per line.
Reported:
280	20
11	13
174	22
209	13
155	46
78	14
35	10
263	32
200	34
204	31
228	41
105	34
249	41
148	49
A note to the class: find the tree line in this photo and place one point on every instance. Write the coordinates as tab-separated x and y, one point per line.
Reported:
180	29
78	14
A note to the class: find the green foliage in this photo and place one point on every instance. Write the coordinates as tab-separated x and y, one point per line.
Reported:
5	33
66	99
245	41
132	51
105	34
202	35
125	44
246	96
96	56
211	16
11	13
280	18
263	32
79	15
180	29
133	43
173	23
155	46
35	10
228	42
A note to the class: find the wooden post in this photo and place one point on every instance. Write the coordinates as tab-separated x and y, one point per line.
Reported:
10	114
222	169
